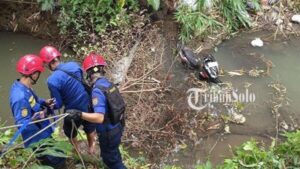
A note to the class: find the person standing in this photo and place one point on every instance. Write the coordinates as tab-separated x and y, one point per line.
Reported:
108	108
27	106
65	85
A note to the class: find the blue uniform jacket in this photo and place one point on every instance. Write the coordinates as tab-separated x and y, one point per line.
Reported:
100	103
24	104
67	90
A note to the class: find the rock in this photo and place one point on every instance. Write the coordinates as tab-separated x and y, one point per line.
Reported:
296	18
257	42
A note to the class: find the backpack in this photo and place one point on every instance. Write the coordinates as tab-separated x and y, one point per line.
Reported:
116	104
115	101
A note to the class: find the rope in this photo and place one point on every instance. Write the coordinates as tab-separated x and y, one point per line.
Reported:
16	135
34	135
33	122
94	156
81	159
19	131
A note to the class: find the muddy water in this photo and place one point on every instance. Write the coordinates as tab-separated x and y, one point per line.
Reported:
13	46
236	54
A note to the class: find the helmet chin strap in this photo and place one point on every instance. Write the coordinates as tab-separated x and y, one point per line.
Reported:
53	62
50	67
94	74
34	80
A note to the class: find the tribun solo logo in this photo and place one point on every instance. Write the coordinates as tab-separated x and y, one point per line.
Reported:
198	98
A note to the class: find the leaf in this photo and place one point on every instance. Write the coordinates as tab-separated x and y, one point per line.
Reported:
52	152
248	165
206	166
52	147
35	166
154	4
8	133
121	3
248	146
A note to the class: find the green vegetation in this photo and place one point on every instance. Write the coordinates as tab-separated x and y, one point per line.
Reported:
235	14
134	163
60	147
195	23
154	4
84	17
229	15
52	147
26	156
254	155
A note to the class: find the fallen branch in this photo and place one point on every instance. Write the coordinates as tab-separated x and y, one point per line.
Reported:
144	90
124	87
22	2
121	68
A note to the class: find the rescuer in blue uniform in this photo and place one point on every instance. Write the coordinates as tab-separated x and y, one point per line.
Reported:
109	134
65	85
27	106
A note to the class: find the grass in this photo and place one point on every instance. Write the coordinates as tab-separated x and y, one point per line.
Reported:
195	23
252	154
229	15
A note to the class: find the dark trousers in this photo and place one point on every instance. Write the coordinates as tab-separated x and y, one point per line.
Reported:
109	144
54	162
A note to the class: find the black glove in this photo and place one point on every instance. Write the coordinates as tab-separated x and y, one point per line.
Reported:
74	114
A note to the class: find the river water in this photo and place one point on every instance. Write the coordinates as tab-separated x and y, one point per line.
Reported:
237	54
13	46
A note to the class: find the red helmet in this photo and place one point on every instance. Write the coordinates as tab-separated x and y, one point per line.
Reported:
92	60
48	53
29	64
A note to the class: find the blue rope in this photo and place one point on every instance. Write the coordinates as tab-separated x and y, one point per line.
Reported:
16	135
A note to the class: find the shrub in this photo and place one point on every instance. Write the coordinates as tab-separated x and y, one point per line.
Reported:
84	17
